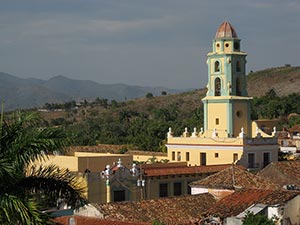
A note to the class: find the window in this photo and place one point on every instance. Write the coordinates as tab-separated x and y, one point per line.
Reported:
226	45
187	156
217	121
251	160
238	66
216	155
177	188
202	159
173	156
266	158
235	157
236	46
119	196
178	156
217	66
217	86
163	190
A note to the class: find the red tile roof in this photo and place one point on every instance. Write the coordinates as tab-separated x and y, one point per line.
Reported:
82	220
234	177
239	201
175	210
226	30
283	172
182	170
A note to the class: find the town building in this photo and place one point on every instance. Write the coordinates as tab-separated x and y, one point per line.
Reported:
229	180
228	135
284	173
173	179
280	205
172	211
88	167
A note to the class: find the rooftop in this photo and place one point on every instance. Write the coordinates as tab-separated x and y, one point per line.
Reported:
226	30
239	201
234	177
282	172
64	220
174	210
182	169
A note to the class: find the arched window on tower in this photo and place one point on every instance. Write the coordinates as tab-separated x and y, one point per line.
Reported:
238	87
217	66
217	86
238	66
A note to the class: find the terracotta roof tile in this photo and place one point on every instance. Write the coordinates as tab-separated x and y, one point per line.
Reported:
184	170
82	220
239	201
234	177
175	210
283	172
226	30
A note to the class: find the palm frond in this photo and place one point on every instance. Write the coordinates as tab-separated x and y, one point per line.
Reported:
8	175
22	143
56	183
14	210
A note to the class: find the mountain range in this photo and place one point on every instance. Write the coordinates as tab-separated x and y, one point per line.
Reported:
18	93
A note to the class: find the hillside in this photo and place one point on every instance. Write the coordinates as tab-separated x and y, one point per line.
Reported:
28	93
283	80
144	122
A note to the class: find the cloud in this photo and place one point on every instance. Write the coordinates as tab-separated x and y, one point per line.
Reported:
157	42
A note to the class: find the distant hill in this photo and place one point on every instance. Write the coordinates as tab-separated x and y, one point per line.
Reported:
21	93
27	93
284	81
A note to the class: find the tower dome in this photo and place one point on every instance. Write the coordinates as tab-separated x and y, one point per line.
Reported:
226	30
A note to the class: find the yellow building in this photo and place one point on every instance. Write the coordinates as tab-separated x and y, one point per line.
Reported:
229	136
88	167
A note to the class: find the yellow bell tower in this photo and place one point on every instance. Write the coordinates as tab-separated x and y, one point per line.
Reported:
226	105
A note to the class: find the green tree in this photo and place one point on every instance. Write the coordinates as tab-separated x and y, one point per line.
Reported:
251	219
149	95
20	144
157	222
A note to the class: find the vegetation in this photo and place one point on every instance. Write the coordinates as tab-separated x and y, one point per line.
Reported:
149	95
271	106
24	188
144	123
258	219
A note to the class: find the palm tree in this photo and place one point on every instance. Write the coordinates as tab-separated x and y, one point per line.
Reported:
21	142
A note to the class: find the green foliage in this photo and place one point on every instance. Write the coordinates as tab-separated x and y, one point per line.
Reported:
123	150
58	121
163	93
66	105
157	222
149	95
271	106
251	219
21	142
126	123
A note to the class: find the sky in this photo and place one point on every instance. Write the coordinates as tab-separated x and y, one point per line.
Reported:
141	42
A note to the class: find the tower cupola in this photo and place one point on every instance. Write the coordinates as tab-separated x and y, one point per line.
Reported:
226	30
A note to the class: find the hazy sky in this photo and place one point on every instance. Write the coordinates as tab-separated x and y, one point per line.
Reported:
141	42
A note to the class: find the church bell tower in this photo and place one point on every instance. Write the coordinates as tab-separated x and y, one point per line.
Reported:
226	105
